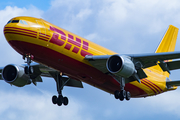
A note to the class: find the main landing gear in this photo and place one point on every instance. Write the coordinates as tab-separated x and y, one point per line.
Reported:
122	94
59	100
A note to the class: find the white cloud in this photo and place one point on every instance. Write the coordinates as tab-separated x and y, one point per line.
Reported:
24	105
70	4
83	14
149	14
70	14
10	12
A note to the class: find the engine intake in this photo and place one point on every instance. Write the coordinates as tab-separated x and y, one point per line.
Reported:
15	75
120	65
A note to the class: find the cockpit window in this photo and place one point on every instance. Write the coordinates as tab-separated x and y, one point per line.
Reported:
15	21
18	21
23	22
9	21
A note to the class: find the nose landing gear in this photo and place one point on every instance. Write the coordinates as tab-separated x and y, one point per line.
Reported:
28	69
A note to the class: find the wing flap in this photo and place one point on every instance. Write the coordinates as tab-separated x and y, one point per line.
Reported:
67	81
73	83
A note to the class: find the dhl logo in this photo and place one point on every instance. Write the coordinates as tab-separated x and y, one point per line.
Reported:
79	45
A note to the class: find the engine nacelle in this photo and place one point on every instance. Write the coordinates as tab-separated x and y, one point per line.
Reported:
15	75
120	65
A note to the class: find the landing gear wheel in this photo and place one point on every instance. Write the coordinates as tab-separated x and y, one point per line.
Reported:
116	94
60	100
128	95
65	101
54	99
31	70
26	70
122	95
59	103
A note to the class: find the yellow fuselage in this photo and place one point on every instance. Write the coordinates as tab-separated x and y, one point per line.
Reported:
65	52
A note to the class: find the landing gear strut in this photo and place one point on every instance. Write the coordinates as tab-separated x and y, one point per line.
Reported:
59	100
122	94
28	69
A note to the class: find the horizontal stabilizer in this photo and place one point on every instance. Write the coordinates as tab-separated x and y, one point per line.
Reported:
173	65
151	59
173	83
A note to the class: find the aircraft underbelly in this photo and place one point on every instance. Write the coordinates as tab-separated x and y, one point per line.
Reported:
76	69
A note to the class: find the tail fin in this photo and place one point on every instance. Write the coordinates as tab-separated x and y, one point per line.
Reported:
167	44
169	40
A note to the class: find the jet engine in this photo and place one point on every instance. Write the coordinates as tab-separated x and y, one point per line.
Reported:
15	75
121	66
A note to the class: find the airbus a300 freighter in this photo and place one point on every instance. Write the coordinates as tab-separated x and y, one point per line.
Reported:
51	51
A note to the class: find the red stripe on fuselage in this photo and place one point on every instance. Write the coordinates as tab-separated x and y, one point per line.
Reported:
151	85
29	33
154	85
7	31
74	68
143	82
21	34
11	28
44	37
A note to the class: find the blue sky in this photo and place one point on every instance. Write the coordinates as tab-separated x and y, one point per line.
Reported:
124	26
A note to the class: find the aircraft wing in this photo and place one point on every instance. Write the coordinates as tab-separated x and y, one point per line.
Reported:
145	60
44	71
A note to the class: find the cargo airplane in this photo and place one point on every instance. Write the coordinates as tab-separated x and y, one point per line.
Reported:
51	51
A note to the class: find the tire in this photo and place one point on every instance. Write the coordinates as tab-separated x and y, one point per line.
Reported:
116	94
31	70
59	103
60	100
54	99
122	95
65	101
26	70
128	95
